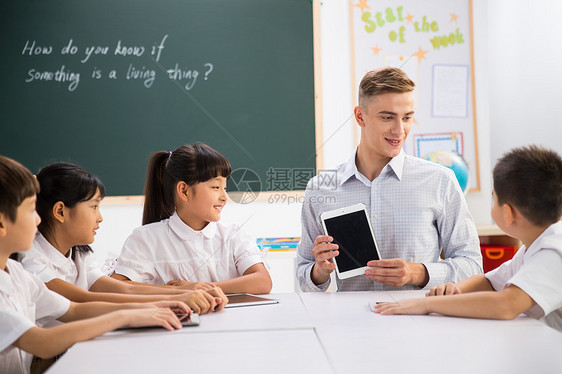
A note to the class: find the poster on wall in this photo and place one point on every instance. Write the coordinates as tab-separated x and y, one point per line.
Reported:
431	41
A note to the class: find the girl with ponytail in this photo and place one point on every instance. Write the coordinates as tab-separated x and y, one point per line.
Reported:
182	242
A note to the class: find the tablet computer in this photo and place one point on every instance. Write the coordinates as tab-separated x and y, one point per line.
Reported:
185	319
246	299
352	232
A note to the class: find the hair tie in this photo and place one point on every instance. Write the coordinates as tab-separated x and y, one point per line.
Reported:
170	155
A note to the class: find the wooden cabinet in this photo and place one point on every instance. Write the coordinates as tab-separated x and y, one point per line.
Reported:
492	235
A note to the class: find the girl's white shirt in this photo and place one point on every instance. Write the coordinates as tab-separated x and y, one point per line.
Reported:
47	263
169	250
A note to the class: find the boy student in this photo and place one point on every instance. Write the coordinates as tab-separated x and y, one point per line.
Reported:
527	206
416	207
25	300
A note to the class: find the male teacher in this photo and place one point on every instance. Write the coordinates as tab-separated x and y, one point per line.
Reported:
416	207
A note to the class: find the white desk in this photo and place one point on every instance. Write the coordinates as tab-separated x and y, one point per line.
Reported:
356	339
289	314
267	351
325	333
277	338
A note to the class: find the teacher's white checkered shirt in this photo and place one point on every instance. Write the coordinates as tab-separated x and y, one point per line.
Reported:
416	209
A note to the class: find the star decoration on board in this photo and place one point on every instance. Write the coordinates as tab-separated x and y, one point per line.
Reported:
362	5
409	18
454	18
420	54
376	49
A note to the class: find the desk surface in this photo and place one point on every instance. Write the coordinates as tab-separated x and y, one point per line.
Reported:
427	344
325	333
289	314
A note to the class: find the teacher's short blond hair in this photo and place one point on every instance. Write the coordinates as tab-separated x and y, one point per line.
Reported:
381	81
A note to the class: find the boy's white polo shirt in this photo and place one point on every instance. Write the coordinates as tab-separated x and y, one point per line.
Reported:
47	263
24	300
537	270
168	250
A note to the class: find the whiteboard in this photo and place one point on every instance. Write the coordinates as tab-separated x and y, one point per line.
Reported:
431	40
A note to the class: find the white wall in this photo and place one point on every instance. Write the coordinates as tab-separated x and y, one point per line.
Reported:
518	99
525	62
480	202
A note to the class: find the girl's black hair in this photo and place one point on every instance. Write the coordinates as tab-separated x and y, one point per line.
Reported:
191	164
69	183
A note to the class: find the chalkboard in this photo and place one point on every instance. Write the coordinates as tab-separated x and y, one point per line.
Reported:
105	83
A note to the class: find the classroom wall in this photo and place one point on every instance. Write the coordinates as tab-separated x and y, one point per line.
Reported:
496	24
526	80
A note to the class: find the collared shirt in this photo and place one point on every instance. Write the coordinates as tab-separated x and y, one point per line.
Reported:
24	299
416	210
47	263
538	272
168	250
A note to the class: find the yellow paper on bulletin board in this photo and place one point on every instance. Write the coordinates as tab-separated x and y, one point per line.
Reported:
432	42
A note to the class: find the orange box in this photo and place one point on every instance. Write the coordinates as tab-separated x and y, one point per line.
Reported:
495	255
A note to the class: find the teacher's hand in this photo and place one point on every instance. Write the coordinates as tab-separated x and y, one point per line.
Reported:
324	251
397	272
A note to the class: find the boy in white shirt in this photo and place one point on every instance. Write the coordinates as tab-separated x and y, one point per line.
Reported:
24	299
527	206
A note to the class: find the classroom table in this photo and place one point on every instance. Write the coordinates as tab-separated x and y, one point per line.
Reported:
325	333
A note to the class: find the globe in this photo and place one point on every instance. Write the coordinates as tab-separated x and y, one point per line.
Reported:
453	161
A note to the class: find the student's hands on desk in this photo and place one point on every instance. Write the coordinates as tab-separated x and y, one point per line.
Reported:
417	306
160	316
449	288
156	313
202	302
185	285
178	307
407	306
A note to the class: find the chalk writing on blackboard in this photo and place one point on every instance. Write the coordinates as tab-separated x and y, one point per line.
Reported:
72	75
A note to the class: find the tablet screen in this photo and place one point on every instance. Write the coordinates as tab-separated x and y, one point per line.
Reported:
352	234
245	299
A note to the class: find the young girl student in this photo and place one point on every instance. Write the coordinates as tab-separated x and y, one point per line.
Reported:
24	299
182	241
68	204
